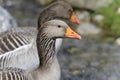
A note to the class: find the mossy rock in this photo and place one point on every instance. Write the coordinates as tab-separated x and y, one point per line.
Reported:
111	21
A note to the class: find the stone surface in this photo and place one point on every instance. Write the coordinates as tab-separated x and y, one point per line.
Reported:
88	29
118	10
85	4
83	16
6	20
44	2
117	41
97	18
96	60
12	2
89	4
1	2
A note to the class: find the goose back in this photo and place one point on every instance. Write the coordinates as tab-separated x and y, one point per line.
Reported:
15	38
24	56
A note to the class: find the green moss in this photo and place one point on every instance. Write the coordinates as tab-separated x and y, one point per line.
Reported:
111	22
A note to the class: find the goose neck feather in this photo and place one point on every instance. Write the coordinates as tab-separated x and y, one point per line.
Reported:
46	49
44	16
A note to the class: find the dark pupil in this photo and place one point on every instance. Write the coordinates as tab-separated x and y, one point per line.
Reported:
70	10
59	26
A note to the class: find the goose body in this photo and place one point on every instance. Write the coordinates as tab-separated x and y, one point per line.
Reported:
44	44
15	43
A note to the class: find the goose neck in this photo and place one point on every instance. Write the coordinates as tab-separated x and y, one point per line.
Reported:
45	16
46	49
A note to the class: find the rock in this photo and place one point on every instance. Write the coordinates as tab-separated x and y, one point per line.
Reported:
117	41
118	10
12	2
85	4
113	77
97	18
73	78
6	20
95	64
88	29
83	15
1	2
44	2
89	4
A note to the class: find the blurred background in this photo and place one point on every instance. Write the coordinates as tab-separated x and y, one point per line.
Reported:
97	55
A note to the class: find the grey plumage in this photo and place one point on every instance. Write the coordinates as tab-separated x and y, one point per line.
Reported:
15	38
18	42
45	45
14	74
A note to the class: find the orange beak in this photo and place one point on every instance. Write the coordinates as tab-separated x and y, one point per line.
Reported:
74	19
71	34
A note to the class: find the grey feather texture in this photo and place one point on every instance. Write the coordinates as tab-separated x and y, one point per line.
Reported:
14	74
16	48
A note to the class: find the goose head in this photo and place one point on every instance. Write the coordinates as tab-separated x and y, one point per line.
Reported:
58	29
58	9
47	35
64	10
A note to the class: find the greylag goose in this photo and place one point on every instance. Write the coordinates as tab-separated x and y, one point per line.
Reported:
48	68
18	40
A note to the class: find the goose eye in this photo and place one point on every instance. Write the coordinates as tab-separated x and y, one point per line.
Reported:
59	26
69	10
